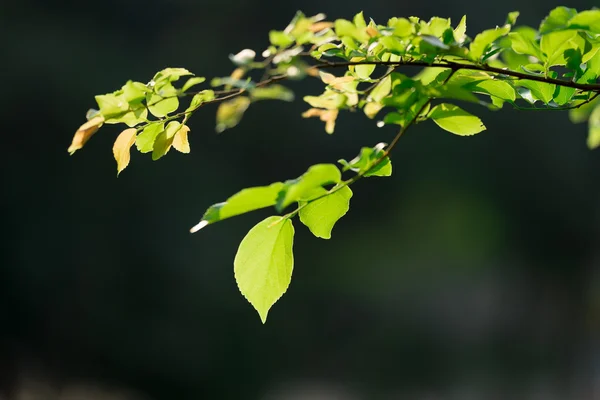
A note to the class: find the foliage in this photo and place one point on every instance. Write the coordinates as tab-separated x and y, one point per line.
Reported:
554	67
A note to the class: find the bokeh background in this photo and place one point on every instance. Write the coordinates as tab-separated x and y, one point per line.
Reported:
472	273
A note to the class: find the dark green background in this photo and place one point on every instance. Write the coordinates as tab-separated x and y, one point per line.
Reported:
472	273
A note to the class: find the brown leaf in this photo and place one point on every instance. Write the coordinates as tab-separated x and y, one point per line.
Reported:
180	140
122	147
84	133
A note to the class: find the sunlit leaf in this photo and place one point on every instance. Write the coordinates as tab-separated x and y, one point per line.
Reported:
557	19
327	116
371	161
272	92
554	45
264	262
320	215
230	113
164	140
84	133
593	139
193	81
539	90
589	20
305	186
460	32
456	120
485	39
145	140
122	147
247	200
180	140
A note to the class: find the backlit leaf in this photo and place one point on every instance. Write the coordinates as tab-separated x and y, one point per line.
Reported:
557	19
246	200
456	120
122	147
484	39
593	139
230	113
164	140
84	133
264	262
305	186
320	215
180	140
145	140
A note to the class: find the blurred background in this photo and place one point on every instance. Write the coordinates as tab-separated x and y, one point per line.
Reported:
472	273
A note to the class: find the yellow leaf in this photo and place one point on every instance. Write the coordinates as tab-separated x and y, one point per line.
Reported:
238	73
122	146
319	26
336	82
372	32
84	133
327	116
180	140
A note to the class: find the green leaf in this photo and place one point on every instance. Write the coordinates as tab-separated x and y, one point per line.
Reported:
272	92
483	40
364	163
230	113
500	89
164	140
402	27
244	201
540	90
346	28
131	118
522	43
456	120
168	75
593	139
112	105
320	215
364	71
305	186
264	262
557	19
582	113
592	70
563	95
329	100
460	32
280	39
588	20
554	44
196	80
135	92
511	18
163	102
199	98
145	140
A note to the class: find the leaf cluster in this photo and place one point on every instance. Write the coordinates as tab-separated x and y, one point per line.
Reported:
367	67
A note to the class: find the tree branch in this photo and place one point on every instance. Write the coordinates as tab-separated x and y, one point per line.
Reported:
454	66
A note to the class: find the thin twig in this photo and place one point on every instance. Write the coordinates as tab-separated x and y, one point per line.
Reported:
454	66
